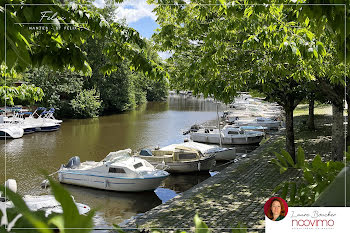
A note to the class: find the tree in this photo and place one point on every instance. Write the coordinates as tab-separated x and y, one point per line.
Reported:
221	49
57	47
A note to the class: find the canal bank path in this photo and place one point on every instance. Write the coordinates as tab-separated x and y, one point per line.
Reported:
235	195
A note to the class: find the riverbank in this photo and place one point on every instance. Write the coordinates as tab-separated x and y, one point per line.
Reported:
235	195
239	192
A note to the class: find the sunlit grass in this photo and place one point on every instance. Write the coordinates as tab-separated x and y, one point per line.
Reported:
320	109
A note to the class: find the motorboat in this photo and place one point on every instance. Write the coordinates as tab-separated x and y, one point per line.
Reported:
35	122
259	121
43	122
220	153
9	130
118	171
229	135
254	128
180	160
46	203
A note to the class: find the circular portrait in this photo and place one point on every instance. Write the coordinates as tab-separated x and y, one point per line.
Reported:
276	208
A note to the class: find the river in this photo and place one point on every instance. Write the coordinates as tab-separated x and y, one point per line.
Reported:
151	125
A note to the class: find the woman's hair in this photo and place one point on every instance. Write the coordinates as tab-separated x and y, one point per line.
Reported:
283	210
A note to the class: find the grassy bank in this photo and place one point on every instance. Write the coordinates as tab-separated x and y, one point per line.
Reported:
316	141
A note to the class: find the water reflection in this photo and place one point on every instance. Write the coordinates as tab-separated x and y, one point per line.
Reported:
114	207
182	182
153	124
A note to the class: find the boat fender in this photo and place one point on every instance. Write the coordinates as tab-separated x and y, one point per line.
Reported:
60	177
199	166
45	184
11	184
106	183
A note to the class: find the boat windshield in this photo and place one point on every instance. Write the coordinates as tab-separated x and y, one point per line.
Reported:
118	156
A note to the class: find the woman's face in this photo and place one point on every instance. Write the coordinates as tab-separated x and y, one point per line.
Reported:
276	208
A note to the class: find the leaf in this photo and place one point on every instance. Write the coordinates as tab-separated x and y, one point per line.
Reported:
289	158
248	11
200	226
277	188
285	190
72	219
21	206
223	3
283	170
300	158
308	177
281	160
293	190
57	221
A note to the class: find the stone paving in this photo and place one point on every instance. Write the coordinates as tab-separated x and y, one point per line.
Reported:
236	194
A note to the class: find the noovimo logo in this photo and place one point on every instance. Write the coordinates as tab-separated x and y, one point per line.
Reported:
313	220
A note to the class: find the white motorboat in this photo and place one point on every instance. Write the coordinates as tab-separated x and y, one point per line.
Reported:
119	171
43	122
179	160
259	121
9	130
220	153
46	203
254	128
230	135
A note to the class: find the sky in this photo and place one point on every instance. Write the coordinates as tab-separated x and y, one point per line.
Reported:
138	15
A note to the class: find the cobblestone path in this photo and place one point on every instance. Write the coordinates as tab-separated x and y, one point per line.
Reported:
236	194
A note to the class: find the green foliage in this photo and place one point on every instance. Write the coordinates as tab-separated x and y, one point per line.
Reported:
58	47
85	104
316	176
36	220
25	93
60	88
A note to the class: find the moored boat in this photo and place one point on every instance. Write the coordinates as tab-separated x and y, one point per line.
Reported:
47	203
9	130
220	153
259	121
119	171
181	160
230	135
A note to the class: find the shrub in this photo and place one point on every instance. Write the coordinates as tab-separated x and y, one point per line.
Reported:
86	104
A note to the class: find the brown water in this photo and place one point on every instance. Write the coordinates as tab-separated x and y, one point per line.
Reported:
154	124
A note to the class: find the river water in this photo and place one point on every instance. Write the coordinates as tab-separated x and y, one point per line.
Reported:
154	124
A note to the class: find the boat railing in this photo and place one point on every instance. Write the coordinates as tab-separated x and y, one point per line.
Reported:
161	166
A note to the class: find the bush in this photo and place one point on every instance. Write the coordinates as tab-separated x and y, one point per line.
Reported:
86	104
316	176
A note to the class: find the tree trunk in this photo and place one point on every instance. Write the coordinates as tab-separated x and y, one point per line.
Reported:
290	131
338	139
348	121
311	120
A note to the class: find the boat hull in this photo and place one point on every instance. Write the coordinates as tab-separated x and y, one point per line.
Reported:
109	182
227	140
226	154
185	167
11	132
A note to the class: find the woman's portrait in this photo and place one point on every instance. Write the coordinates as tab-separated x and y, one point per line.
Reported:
275	209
